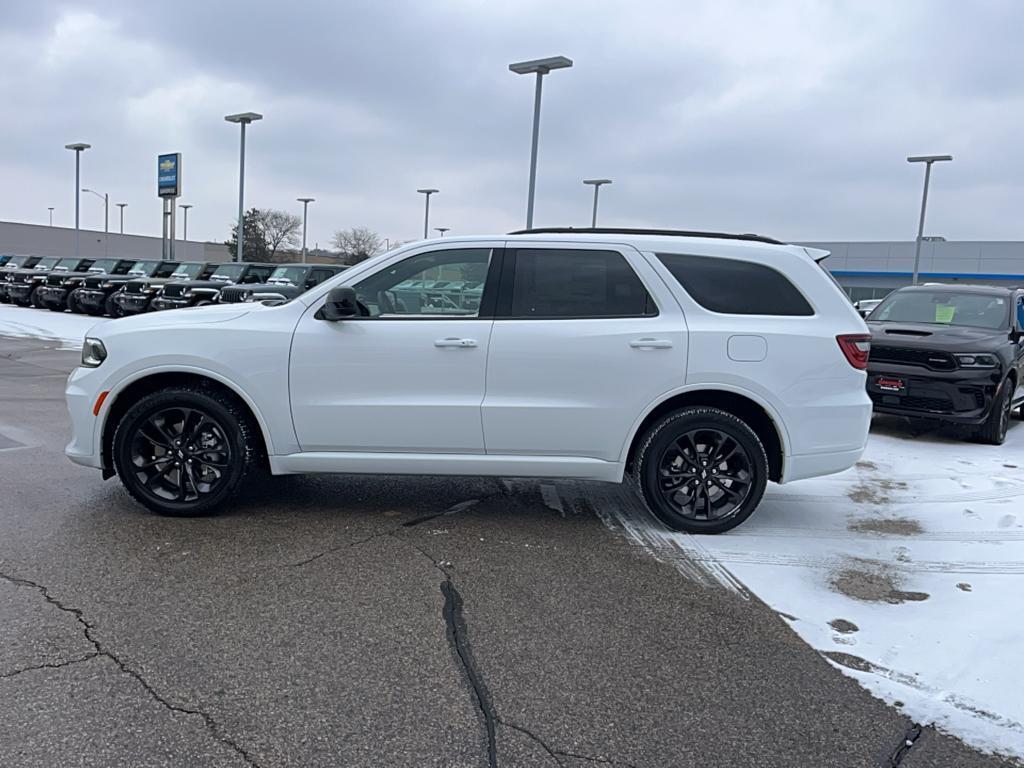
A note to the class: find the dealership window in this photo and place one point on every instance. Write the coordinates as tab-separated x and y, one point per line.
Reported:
445	283
566	283
735	287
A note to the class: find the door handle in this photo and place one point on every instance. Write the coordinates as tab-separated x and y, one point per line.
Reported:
455	342
650	344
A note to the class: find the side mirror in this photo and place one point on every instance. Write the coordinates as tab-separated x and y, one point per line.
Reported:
341	303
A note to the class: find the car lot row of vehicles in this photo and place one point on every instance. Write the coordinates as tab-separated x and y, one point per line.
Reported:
119	287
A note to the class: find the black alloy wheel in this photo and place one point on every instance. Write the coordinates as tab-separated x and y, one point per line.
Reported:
701	470
993	431
185	451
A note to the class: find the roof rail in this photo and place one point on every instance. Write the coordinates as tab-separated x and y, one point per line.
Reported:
628	231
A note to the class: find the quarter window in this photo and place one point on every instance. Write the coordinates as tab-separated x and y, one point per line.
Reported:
575	284
447	283
735	287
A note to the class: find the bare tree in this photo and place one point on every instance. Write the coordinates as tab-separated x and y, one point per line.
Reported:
357	244
280	228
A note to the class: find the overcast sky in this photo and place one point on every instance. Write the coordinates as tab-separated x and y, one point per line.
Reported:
791	119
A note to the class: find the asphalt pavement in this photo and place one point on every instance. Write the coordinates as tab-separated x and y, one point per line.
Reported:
383	621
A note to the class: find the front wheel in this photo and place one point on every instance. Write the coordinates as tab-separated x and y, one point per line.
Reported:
993	431
185	451
701	470
111	307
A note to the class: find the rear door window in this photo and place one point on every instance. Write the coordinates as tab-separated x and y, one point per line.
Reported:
569	283
735	287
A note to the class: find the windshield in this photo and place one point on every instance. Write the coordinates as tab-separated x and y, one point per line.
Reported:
187	271
103	265
49	261
976	310
143	267
294	275
228	272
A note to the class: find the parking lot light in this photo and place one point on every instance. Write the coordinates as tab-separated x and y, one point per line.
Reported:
426	209
305	208
927	160
242	119
596	183
77	148
539	67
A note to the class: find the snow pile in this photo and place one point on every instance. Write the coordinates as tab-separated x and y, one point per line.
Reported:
66	329
906	572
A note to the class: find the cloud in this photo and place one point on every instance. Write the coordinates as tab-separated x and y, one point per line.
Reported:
791	118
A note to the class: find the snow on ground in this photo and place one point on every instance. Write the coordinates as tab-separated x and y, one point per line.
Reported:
62	327
906	572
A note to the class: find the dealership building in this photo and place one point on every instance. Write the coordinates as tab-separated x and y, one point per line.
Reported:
870	270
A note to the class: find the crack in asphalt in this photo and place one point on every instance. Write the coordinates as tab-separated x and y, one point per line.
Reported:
336	548
87	629
557	753
49	665
909	739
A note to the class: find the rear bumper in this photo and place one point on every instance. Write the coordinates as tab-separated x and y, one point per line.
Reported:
808	465
958	397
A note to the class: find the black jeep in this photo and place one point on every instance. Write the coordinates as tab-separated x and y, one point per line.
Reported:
7	270
197	293
137	295
23	284
58	290
285	283
949	352
96	294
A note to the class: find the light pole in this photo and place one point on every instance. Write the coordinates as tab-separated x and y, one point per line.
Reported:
597	186
442	230
106	217
50	209
78	148
243	119
927	160
540	67
122	206
185	207
305	209
426	209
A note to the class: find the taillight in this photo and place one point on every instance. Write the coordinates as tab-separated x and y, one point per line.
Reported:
856	347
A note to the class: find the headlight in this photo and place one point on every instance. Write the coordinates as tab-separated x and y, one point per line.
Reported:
980	360
93	353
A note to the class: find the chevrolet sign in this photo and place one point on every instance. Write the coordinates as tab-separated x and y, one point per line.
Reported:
168	175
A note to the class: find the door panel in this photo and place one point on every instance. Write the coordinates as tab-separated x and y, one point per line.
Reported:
408	375
575	386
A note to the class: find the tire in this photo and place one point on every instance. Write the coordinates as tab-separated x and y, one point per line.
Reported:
34	299
227	460
677	477
72	303
993	431
111	307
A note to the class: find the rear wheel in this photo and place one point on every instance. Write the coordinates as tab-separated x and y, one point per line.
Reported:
185	451
993	431
701	470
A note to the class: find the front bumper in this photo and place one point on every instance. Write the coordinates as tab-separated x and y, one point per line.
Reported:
133	303
20	292
166	302
959	397
80	398
91	298
53	295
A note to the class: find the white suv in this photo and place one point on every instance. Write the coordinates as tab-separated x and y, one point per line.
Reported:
700	366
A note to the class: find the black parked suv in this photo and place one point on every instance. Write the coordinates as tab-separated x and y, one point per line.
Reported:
285	283
950	352
97	293
57	291
8	269
196	293
23	284
137	295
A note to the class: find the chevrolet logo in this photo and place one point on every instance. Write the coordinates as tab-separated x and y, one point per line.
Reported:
167	165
